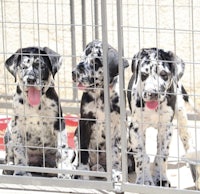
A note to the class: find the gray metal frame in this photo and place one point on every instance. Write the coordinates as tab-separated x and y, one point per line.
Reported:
107	184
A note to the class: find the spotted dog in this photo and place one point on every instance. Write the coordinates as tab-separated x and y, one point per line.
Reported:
36	135
155	94
89	77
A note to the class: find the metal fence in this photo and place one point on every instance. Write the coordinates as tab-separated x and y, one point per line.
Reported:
66	27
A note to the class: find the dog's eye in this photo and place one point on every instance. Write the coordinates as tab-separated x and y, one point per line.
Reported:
164	75
144	76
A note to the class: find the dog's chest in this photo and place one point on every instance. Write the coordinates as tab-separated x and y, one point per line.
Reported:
36	124
97	107
163	115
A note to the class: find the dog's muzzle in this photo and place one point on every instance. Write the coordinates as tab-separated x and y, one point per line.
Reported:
150	95
31	80
33	90
151	99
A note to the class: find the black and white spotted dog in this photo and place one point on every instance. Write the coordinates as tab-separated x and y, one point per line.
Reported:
89	76
155	95
36	135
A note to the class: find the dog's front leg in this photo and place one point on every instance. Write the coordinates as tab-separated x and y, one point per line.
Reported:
160	163
65	155
19	151
142	163
116	165
182	122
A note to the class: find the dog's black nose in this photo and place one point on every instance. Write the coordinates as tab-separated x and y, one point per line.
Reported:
151	95
31	80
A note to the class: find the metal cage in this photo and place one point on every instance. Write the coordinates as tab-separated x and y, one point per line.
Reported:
67	27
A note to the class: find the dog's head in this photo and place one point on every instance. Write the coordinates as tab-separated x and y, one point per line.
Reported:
89	72
155	71
33	68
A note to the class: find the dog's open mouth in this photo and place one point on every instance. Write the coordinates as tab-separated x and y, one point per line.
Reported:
33	96
81	86
152	104
84	87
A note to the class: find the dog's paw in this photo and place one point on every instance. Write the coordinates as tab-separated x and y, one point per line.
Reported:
83	167
67	154
98	167
65	176
144	180
161	180
7	172
66	163
22	173
163	183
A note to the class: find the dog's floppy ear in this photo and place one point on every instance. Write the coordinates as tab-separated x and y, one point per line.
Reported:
135	62
113	62
179	65
11	62
135	65
55	60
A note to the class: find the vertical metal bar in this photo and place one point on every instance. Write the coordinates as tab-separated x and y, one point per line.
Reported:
177	136
96	17
20	23
121	87
194	82
73	44
56	26
139	24
83	23
106	89
3	27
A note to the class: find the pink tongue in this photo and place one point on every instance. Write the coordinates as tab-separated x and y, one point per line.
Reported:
152	104
33	96
81	87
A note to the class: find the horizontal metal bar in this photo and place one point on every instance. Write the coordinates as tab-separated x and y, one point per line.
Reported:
40	181
153	189
72	110
6	105
53	170
76	110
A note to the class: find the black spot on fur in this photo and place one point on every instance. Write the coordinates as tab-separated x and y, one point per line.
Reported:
103	135
102	144
139	164
139	103
15	120
171	97
59	124
185	95
18	90
28	136
21	101
136	130
51	94
98	64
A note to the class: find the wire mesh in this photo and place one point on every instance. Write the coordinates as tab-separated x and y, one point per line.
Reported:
67	27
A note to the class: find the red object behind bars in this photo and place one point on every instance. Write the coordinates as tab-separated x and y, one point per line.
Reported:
3	124
70	120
